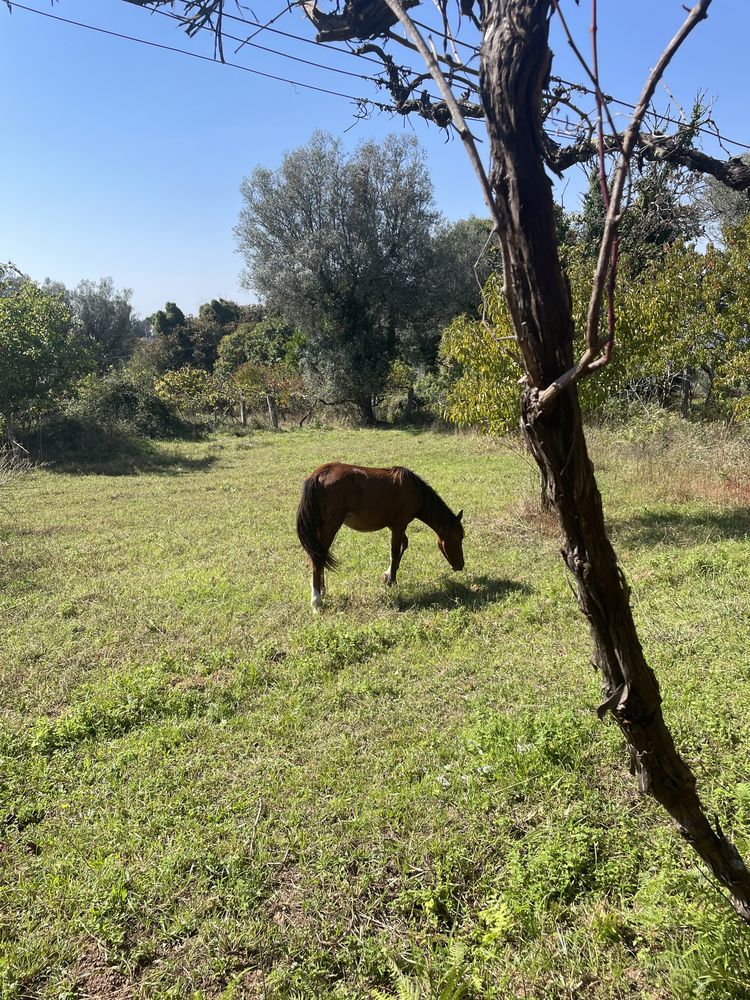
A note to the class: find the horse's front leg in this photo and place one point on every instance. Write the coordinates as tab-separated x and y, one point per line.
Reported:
399	545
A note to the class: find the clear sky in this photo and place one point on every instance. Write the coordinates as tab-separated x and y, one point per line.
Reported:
125	161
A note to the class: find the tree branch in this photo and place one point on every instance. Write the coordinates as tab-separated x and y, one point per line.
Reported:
399	11
360	19
588	362
734	172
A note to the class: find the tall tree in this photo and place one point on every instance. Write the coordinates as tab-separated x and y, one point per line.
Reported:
339	245
215	320
662	211
173	336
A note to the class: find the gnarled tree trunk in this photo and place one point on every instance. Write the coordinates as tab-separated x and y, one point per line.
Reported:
515	63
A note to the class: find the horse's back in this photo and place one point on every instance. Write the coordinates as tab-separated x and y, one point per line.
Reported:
332	471
368	498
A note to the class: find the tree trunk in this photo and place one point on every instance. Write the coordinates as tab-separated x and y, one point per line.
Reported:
410	405
273	412
366	410
515	63
17	450
686	394
243	411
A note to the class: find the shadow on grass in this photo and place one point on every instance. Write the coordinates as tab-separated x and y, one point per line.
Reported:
130	459
476	593
674	527
417	429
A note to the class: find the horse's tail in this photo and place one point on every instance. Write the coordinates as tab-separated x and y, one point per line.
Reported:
309	523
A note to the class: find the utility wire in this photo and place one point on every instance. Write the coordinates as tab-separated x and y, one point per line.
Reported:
266	27
265	48
714	133
308	86
195	55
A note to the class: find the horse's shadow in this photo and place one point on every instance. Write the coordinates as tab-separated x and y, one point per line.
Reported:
475	593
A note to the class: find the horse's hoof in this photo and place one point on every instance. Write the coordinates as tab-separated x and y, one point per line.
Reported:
317	605
387	580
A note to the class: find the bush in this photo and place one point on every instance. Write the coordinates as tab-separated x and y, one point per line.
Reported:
121	402
191	390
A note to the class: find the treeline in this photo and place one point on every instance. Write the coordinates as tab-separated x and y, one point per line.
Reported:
81	369
370	305
357	275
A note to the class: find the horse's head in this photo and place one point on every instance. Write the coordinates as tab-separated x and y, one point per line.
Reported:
450	542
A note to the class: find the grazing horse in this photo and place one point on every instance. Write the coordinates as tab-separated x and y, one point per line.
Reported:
368	500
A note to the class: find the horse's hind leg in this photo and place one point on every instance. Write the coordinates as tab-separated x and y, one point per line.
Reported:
399	545
317	588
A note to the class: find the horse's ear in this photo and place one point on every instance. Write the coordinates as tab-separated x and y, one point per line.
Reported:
459	515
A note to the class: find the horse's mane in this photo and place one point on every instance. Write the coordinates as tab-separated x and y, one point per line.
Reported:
435	509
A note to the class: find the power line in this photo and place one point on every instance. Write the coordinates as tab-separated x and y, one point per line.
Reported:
308	86
714	133
265	48
274	31
194	55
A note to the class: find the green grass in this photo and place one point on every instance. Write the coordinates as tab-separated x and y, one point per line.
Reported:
208	792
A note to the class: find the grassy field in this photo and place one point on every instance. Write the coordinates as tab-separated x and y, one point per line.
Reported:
208	792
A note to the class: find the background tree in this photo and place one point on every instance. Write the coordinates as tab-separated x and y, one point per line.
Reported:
215	319
193	341
270	341
40	352
463	257
341	246
663	210
105	320
172	333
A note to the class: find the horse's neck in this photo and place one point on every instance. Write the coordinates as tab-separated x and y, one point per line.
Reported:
435	518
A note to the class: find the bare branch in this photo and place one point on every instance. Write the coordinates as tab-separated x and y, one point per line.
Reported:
734	172
459	122
611	222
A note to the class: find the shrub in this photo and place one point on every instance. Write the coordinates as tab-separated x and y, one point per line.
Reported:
191	390
123	402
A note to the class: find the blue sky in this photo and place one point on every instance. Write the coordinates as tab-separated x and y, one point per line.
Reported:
126	161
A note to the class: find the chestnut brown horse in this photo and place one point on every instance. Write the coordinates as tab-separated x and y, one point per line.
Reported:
369	500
